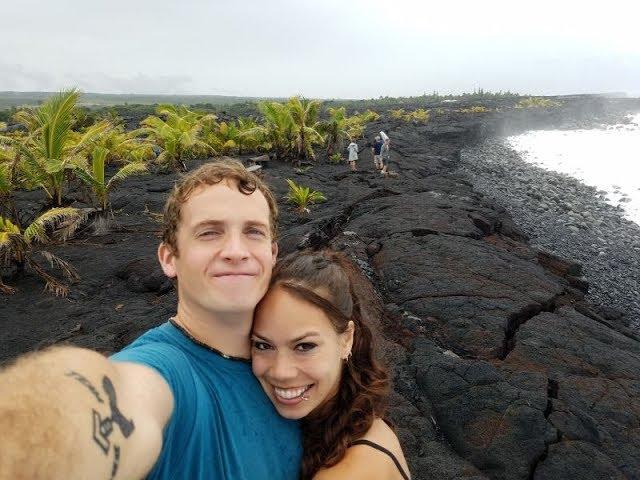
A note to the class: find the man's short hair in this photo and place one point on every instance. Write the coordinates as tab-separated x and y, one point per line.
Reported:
211	174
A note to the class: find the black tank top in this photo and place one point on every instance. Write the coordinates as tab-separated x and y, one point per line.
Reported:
383	450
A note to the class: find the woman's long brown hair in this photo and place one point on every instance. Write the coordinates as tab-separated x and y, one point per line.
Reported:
326	279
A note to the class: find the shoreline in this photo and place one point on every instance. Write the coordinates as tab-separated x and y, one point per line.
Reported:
565	217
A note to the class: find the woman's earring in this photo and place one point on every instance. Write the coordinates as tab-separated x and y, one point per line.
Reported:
348	357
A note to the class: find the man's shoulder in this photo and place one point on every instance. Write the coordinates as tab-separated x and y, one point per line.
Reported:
156	347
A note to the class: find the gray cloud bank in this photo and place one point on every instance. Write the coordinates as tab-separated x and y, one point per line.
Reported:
354	49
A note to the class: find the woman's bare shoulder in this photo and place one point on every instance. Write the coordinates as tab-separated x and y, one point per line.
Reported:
365	462
382	434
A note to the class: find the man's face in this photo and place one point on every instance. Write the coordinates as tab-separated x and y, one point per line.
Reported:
225	251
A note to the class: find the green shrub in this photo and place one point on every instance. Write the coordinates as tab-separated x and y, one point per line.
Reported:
420	115
20	247
336	158
302	197
397	114
537	102
475	109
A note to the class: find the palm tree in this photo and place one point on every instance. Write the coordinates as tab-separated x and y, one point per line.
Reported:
51	149
278	129
178	133
123	147
305	119
95	176
7	187
245	138
20	247
335	129
223	137
302	196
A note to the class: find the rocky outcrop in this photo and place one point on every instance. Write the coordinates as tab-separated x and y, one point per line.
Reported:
496	374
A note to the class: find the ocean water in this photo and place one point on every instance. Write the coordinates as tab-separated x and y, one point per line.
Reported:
606	158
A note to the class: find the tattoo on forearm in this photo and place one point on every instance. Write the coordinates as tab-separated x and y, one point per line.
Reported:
116	461
83	380
103	426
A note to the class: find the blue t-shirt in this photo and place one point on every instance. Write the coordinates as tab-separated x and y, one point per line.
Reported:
377	147
223	425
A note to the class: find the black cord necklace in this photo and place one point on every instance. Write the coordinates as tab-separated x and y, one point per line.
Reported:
204	345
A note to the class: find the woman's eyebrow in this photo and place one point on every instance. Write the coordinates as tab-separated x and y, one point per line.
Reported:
302	337
295	340
261	337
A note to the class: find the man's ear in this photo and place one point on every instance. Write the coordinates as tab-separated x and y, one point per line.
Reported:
274	253
167	260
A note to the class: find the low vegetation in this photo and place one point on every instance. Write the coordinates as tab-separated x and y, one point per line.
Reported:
176	130
302	197
94	176
336	158
475	109
537	102
51	149
58	145
21	248
420	115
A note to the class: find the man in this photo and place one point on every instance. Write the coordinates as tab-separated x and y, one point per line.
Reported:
180	402
376	150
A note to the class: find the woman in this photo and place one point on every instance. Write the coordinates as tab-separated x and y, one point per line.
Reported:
313	355
353	155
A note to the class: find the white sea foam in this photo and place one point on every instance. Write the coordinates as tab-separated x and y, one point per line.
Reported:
607	158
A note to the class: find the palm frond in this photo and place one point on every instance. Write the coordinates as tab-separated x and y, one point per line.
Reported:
91	136
6	289
52	284
27	118
12	244
98	157
68	227
7	227
67	270
165	157
6	186
55	117
65	218
128	170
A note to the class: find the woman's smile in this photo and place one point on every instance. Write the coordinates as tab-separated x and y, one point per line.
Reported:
291	396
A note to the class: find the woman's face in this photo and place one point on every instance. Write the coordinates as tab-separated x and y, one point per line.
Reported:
296	353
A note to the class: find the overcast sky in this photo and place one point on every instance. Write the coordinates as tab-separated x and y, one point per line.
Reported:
324	48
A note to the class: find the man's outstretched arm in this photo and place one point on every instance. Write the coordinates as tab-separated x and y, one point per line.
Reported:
70	413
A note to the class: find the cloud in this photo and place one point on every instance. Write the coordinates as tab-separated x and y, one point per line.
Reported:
322	48
138	83
15	77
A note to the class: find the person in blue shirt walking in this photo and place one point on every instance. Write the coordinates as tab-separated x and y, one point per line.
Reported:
181	401
376	150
